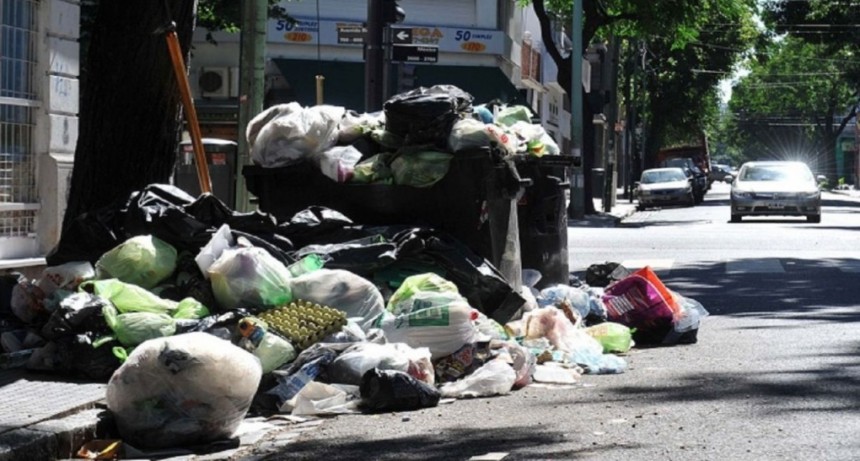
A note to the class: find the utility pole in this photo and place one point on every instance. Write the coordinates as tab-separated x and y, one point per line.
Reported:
251	81
577	190
374	57
610	179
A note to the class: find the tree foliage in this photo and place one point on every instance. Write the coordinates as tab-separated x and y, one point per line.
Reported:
804	84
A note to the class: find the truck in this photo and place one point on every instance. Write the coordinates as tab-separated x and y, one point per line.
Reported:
695	160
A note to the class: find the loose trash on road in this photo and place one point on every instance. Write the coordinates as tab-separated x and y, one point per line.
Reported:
196	314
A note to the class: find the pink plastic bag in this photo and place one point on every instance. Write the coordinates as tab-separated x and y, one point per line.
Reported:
640	301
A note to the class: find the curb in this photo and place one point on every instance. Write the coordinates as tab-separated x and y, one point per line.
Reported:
52	439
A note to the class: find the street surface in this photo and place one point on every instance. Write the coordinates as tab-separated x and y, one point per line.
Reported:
774	375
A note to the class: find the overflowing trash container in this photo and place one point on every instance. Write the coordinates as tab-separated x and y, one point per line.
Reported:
475	201
542	215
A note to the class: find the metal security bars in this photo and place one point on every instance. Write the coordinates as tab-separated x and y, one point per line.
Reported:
18	101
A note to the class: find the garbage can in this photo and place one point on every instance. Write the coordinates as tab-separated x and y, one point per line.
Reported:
475	202
598	176
542	214
221	160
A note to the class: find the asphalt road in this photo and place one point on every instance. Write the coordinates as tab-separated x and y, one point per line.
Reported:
774	375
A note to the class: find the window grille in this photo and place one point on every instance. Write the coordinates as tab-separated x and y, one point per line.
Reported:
18	103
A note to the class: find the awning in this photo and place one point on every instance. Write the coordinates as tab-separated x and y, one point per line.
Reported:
344	82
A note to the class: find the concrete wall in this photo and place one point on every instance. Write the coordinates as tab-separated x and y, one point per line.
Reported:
57	120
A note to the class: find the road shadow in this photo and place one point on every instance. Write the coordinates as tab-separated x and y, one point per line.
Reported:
455	443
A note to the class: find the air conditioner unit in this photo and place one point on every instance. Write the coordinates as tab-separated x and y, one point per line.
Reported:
234	82
214	82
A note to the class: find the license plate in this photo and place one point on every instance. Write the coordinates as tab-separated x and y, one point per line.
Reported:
775	206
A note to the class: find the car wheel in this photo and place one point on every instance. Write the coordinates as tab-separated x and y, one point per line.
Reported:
814	218
736	218
691	201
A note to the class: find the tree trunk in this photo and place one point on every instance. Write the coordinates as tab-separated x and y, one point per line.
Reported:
130	105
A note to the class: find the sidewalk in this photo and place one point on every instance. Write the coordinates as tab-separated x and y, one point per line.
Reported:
622	209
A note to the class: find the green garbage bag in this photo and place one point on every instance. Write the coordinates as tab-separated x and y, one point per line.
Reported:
373	170
134	328
143	260
513	114
190	308
421	168
429	282
129	298
614	337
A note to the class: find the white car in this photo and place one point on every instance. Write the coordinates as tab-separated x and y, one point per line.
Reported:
664	186
783	188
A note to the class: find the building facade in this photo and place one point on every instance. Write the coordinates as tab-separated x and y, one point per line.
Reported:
39	67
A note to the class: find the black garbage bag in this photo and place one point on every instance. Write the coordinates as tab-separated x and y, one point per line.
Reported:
603	274
363	256
188	282
391	390
78	314
89	236
426	115
78	356
319	225
159	210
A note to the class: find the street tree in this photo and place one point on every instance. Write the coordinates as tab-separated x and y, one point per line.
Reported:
795	102
130	116
674	23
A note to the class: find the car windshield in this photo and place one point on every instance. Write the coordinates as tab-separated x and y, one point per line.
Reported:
797	173
655	176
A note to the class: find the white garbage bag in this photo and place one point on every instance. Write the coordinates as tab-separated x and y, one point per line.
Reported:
182	390
297	135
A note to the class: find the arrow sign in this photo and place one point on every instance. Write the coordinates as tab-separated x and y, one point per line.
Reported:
401	36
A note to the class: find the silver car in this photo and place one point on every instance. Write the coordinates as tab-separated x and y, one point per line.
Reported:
664	186
766	188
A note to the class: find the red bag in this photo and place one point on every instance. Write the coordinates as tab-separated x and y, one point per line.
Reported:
641	301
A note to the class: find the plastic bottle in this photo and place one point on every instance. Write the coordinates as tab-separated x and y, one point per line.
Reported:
305	265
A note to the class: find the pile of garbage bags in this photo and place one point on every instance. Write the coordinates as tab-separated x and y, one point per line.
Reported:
196	314
411	142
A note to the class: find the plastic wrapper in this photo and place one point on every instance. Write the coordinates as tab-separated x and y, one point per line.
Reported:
400	301
462	362
296	135
65	276
494	378
354	362
390	390
578	346
183	390
143	260
249	277
323	399
353	125
221	240
342	290
443	330
561	295
338	163
421	168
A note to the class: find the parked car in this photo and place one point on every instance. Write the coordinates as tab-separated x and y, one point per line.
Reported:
780	188
664	186
721	172
698	178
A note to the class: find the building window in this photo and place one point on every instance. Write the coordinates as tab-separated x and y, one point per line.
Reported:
18	103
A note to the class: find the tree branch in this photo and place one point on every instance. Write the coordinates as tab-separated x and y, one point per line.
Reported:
546	32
